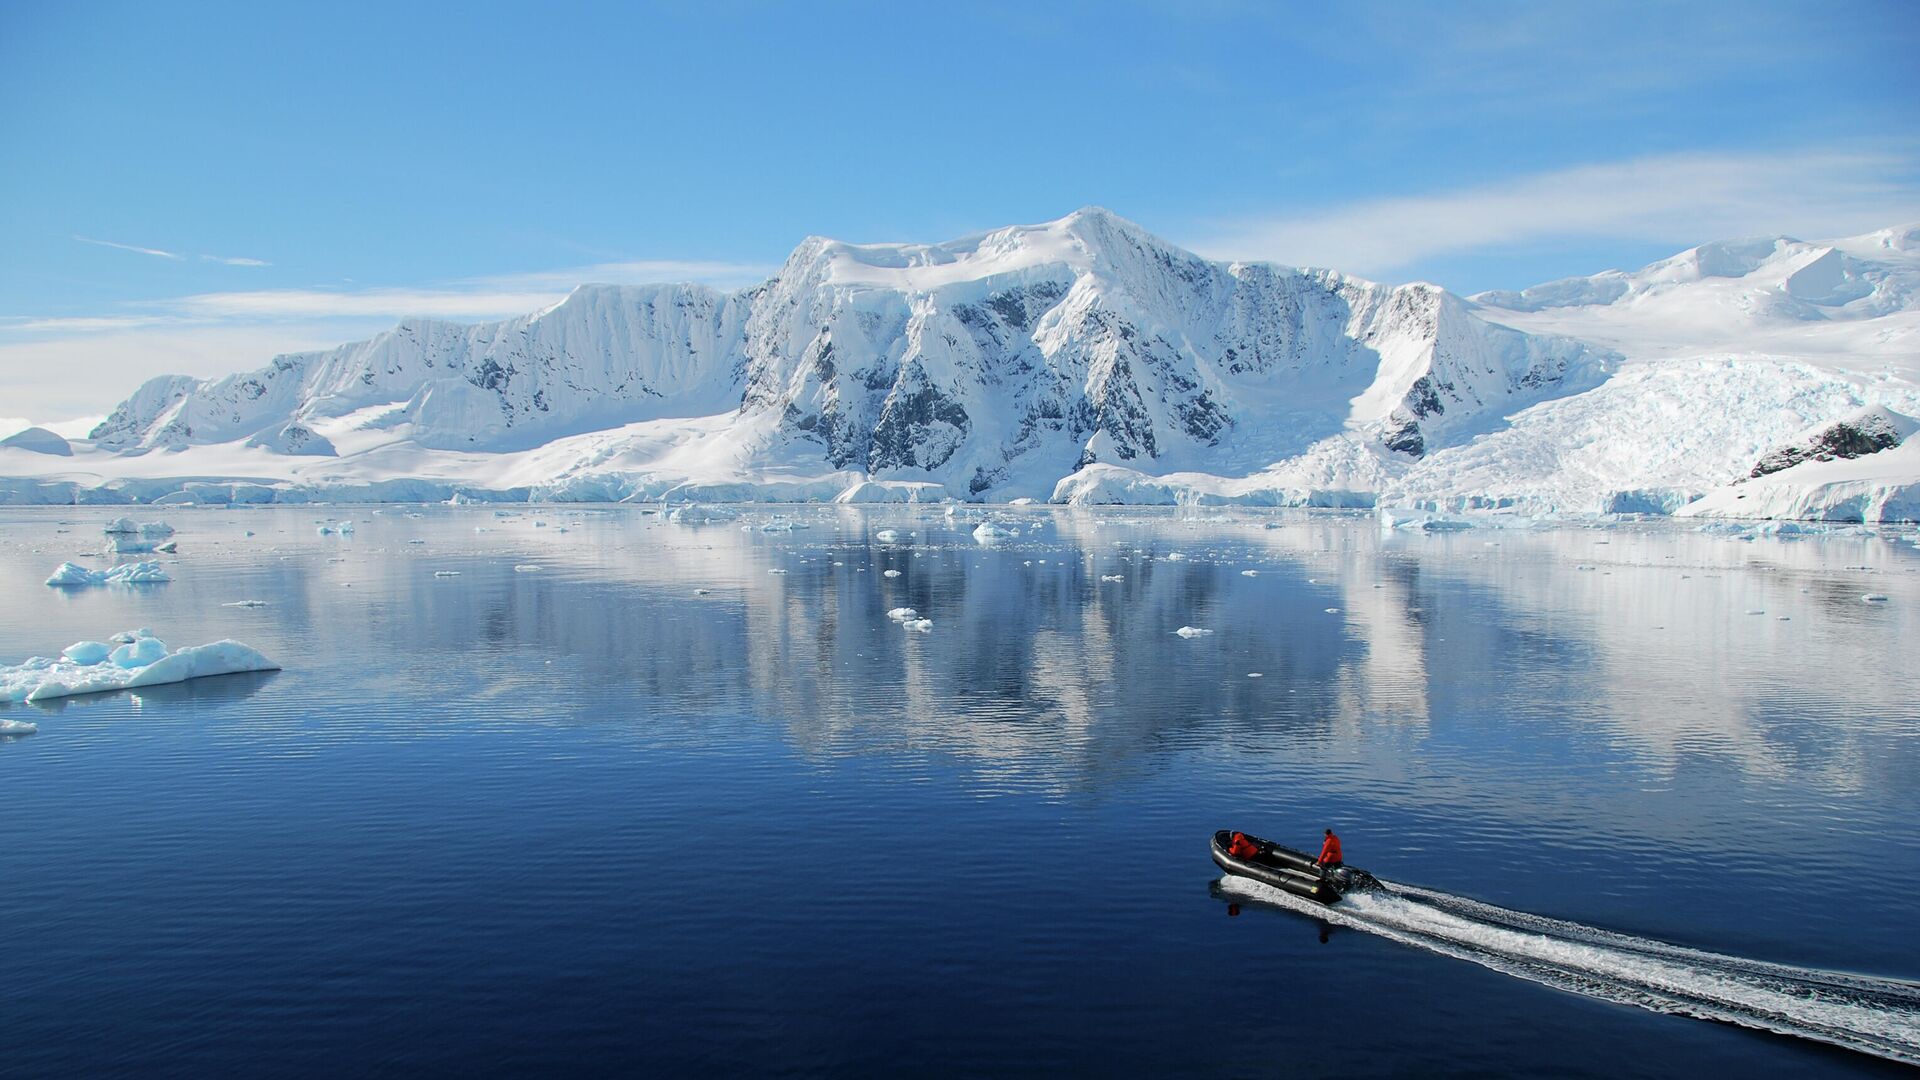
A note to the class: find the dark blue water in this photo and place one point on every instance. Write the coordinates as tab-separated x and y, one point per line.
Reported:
589	817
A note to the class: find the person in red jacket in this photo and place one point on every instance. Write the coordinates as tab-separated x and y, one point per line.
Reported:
1242	848
1330	853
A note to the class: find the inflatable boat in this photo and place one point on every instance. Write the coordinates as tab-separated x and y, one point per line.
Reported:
1284	868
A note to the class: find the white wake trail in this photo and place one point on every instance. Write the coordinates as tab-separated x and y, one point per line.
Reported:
1860	1012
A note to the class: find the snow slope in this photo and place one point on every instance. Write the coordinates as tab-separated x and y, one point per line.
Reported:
1081	359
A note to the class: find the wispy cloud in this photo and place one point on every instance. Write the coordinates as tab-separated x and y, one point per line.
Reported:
224	260
498	296
1678	199
135	248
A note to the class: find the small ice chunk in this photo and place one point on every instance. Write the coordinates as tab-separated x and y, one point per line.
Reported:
87	652
1249	573
776	570
1176	556
901	614
921	625
1192	632
526	568
15	727
1874	598
1333	611
890	573
171	547
1113	577
446	573
887	536
245	603
1256	674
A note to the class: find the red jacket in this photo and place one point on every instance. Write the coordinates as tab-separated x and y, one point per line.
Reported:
1242	848
1330	851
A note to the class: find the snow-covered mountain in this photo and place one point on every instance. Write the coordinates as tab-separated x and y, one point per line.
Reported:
994	364
1081	359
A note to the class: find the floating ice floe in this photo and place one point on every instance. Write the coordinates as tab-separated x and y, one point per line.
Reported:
1419	521
245	603
336	528
902	614
446	573
16	727
1192	632
526	568
888	536
141	660
1249	573
70	575
696	514
890	573
1113	577
920	625
990	532
1874	598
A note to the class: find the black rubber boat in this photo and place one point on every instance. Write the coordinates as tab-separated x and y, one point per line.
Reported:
1284	868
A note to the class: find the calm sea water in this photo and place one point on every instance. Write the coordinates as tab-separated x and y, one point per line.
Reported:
686	800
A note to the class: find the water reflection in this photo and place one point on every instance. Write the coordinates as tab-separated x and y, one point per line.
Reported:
1052	663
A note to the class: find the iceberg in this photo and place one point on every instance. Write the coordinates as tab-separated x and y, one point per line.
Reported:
142	660
696	514
1192	632
149	530
71	575
989	532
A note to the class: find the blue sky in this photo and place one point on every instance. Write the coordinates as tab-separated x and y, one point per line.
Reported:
195	187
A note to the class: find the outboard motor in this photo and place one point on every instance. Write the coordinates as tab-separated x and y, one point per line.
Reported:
1347	879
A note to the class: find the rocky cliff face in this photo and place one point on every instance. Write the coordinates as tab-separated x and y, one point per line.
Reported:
1028	351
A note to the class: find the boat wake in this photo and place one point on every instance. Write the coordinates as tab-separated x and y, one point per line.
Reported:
1860	1012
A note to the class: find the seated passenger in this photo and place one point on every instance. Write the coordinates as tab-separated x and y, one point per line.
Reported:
1242	847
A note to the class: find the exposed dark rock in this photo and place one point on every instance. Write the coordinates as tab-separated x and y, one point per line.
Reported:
1857	436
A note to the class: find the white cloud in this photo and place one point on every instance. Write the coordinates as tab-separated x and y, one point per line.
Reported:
1676	199
131	247
211	334
83	374
237	260
330	303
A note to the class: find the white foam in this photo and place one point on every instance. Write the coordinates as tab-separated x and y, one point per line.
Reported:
1864	1013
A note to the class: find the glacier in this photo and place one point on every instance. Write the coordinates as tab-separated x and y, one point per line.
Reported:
1082	361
